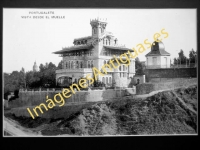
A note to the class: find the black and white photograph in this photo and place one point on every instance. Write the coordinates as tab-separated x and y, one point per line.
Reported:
84	72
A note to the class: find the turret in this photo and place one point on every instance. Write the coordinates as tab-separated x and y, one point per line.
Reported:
98	27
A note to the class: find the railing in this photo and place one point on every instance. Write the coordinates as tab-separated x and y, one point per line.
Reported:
156	66
191	65
74	70
41	89
172	66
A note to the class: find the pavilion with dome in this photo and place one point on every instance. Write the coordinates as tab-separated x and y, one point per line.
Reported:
157	57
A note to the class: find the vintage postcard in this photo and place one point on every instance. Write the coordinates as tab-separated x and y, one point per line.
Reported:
99	72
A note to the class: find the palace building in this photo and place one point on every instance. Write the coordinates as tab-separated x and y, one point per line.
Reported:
94	51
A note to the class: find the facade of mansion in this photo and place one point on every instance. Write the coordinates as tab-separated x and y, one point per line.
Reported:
94	51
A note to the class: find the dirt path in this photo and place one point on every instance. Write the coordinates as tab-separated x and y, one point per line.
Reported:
13	128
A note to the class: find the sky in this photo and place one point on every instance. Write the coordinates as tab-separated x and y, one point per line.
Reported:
34	39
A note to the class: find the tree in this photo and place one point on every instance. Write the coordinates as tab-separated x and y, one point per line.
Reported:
175	61
60	65
33	79
138	66
182	57
48	75
42	67
22	78
192	55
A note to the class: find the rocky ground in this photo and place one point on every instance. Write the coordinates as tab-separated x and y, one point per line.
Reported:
168	112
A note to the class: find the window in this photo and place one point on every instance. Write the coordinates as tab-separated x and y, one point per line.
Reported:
94	31
104	62
119	68
77	64
110	80
81	64
92	64
72	65
165	62
66	65
123	67
154	60
103	80
88	64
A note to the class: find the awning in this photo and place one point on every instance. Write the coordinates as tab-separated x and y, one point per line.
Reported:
73	48
117	48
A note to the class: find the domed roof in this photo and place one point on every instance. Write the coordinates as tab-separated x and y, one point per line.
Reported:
158	48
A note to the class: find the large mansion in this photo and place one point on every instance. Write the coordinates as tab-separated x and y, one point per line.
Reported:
94	51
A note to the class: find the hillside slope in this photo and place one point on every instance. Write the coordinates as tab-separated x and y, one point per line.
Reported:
168	112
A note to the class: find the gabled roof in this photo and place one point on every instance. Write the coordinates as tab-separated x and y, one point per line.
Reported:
73	48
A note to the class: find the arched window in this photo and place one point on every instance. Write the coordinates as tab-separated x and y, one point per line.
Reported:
66	65
123	67
106	41
138	81
94	31
92	65
103	80
119	68
72	65
81	64
88	64
109	41
77	64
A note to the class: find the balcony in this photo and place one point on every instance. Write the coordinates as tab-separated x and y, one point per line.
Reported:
74	70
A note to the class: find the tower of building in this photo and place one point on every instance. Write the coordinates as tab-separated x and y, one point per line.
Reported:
98	27
35	67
